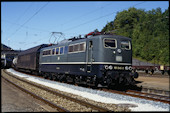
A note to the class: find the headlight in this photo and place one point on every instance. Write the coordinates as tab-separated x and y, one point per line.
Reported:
110	67
126	67
130	67
106	67
119	50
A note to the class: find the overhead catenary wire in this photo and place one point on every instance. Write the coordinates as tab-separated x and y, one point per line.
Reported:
66	22
97	18
74	26
20	16
131	25
85	14
71	20
100	17
27	27
29	18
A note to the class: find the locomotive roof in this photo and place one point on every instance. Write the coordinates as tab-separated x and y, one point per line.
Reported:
34	49
110	35
77	40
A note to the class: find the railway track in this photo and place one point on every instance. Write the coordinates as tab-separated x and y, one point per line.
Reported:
143	90
155	97
85	104
156	91
60	109
138	94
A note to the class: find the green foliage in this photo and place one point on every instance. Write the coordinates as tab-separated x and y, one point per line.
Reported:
149	31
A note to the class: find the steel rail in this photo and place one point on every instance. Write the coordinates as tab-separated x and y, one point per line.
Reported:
155	91
139	95
164	99
59	108
99	108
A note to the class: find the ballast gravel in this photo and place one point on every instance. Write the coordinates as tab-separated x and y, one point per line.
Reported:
100	97
67	104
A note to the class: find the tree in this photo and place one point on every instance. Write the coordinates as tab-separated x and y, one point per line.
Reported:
149	31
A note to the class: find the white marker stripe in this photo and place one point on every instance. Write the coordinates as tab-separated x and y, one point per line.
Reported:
86	63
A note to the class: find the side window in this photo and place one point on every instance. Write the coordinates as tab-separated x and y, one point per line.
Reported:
47	52
82	47
44	52
61	50
57	51
70	48
66	49
76	48
53	51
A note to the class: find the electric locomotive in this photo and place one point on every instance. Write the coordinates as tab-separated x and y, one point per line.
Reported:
95	59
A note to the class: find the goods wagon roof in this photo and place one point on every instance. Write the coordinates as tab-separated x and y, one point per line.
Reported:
136	62
32	50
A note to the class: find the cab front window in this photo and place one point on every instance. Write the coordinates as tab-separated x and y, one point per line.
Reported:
125	44
110	43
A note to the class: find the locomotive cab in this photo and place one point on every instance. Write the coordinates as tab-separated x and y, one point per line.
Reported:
110	57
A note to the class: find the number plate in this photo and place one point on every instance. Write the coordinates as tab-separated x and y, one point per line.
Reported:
118	58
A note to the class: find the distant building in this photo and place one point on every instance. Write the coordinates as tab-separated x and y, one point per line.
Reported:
4	47
7	52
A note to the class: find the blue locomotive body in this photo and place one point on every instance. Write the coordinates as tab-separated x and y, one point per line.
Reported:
100	59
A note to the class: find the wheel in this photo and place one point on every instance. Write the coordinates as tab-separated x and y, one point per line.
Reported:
96	84
109	81
45	75
50	77
54	77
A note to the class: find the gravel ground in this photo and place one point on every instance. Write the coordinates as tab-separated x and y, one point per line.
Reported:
154	82
69	105
108	99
